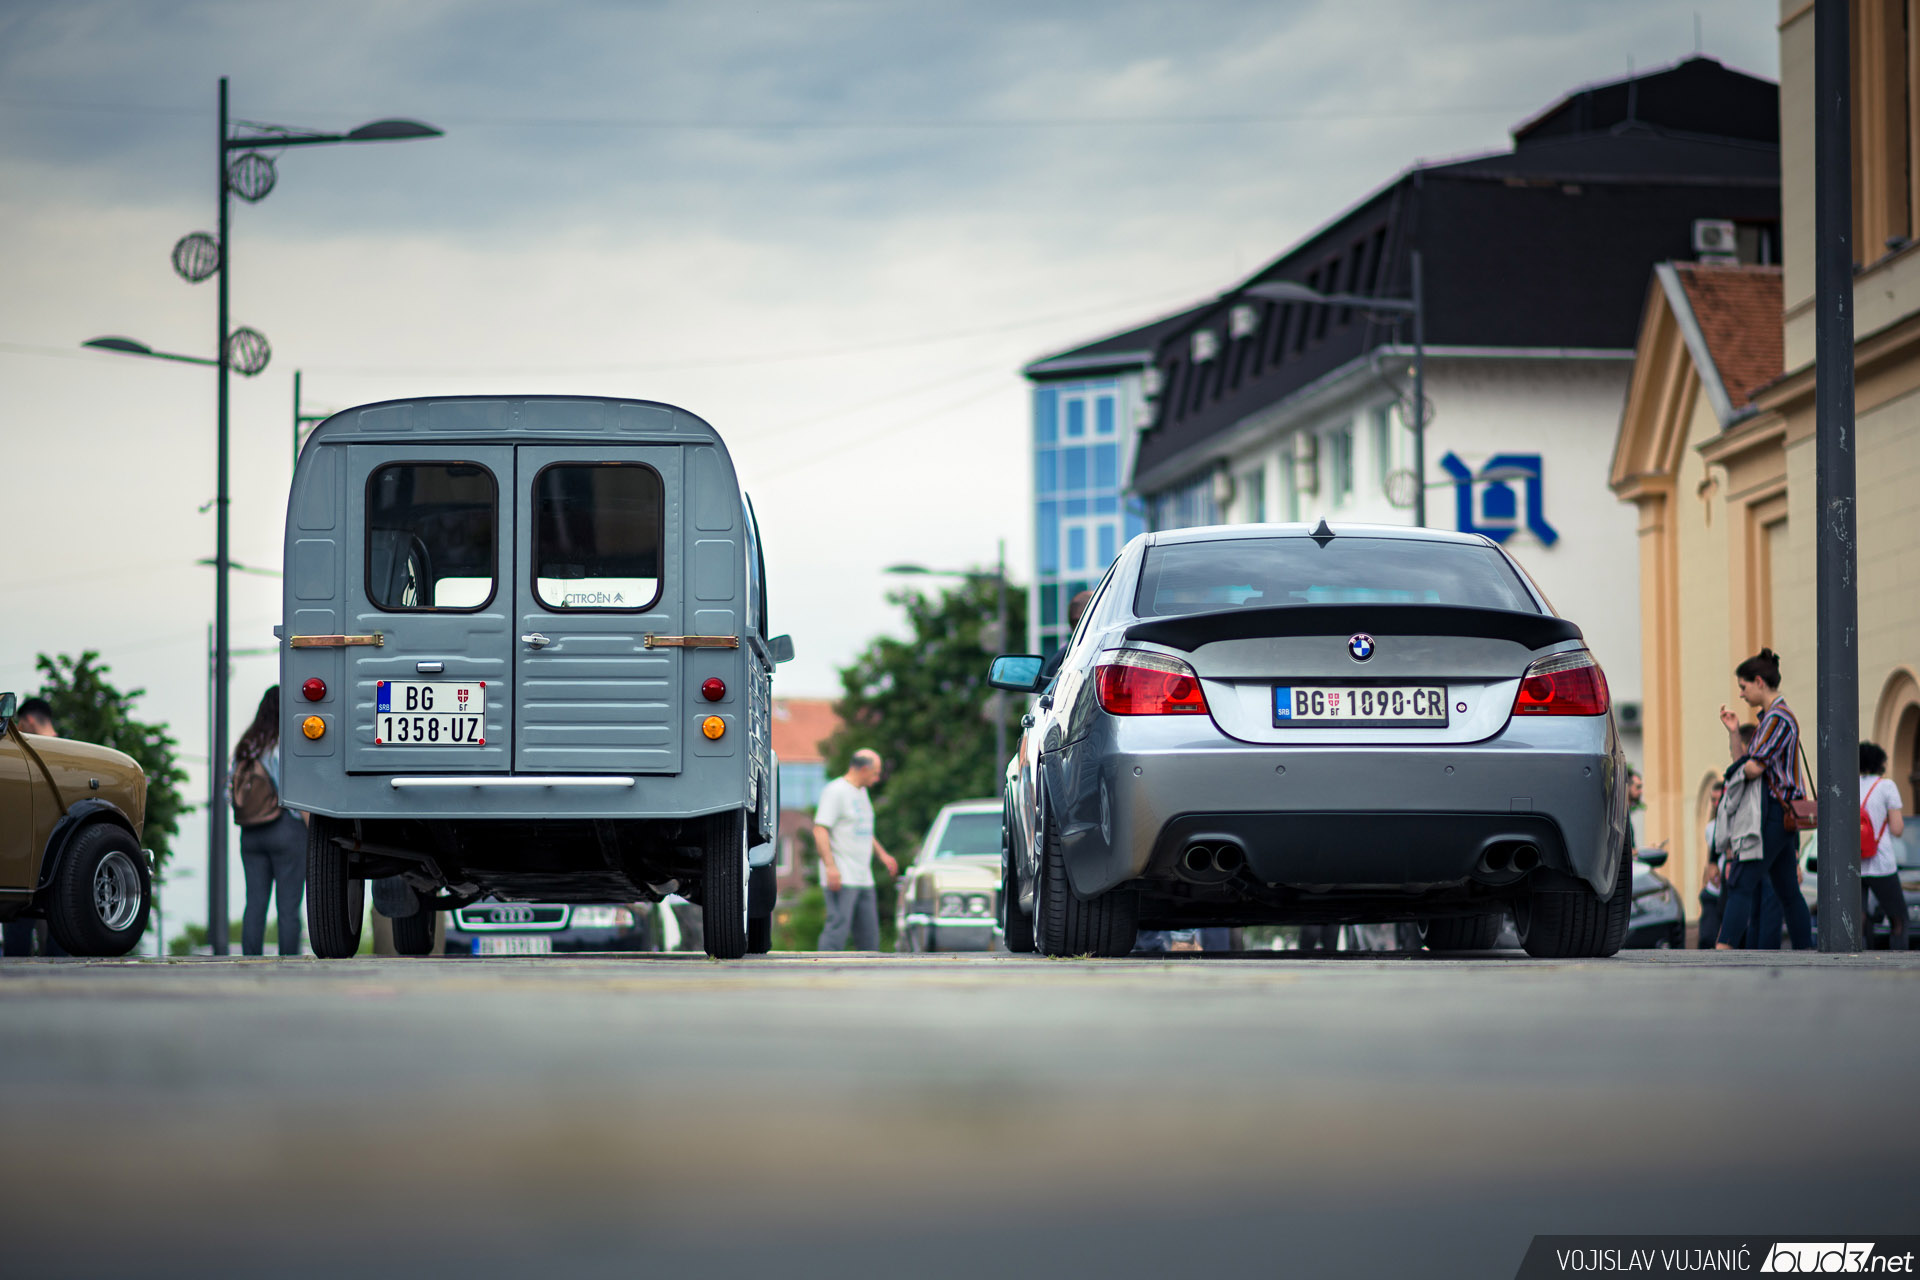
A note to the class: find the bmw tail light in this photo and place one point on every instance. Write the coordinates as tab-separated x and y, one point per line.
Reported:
1563	684
1134	682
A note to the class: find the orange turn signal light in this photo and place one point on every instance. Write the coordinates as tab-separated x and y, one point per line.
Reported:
713	726
313	726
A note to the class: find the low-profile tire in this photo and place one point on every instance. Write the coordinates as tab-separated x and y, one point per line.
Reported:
1576	924
413	935
336	900
1016	926
723	900
1462	933
98	902
1065	924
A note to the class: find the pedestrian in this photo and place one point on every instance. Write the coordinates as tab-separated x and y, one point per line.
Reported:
1881	823
273	842
843	833
1636	796
1771	760
35	716
1710	875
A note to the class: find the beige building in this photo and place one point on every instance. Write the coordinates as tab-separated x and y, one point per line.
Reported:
1716	447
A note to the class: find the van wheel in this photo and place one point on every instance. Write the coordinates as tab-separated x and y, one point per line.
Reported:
1462	933
336	901
723	899
97	904
1565	925
1067	925
413	935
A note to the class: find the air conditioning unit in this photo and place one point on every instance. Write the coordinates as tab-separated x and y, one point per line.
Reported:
1205	345
1242	321
1626	716
1715	236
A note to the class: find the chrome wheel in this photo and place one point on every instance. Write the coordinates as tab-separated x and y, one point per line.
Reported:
116	891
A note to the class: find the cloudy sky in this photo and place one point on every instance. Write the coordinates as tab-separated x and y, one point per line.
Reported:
835	230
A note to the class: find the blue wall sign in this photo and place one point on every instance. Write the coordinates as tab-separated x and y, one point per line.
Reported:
1499	515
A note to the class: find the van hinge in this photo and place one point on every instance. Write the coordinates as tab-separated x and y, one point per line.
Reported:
651	641
377	640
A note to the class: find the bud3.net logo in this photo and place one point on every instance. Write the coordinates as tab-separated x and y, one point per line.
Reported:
1835	1259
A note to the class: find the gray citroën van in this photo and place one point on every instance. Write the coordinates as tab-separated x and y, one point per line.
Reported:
525	653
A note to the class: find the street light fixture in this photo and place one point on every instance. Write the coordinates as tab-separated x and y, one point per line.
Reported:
248	173
1290	291
998	576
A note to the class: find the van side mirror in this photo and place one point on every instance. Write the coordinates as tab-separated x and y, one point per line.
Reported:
9	703
1653	857
1017	673
781	647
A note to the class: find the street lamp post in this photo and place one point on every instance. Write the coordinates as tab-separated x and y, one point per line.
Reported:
245	170
999	578
1415	306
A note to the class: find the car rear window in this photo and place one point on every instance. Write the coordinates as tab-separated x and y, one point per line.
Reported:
970	835
1253	573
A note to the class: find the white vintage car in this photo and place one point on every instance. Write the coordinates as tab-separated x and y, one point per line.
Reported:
948	895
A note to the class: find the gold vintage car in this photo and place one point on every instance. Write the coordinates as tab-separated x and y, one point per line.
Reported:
70	821
947	897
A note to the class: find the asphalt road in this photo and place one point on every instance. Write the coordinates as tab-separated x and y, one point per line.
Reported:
861	1115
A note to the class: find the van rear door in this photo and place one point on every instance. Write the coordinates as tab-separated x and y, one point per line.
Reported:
432	578
597	545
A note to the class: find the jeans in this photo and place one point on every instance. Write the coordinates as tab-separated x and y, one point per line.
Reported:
1779	866
855	910
1893	901
273	856
1709	920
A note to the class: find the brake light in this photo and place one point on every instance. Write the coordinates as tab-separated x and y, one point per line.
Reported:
313	689
1134	682
1563	684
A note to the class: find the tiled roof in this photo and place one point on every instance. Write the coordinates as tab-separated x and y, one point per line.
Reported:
1738	311
800	725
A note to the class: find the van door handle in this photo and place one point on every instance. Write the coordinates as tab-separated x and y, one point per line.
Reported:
535	640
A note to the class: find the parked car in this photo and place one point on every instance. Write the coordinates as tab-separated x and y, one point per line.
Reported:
1273	724
542	928
526	655
1656	920
71	814
1878	936
947	895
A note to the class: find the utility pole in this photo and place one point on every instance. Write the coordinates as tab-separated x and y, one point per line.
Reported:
1837	590
217	747
1419	396
999	695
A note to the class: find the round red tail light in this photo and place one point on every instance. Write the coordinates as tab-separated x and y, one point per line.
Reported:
314	689
713	688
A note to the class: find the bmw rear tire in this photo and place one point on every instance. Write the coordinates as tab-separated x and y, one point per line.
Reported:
1016	926
1065	924
1569	924
1462	933
336	899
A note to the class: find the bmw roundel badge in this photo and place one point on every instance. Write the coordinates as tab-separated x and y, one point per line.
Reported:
1360	647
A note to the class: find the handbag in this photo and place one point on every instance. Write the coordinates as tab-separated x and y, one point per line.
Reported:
1803	813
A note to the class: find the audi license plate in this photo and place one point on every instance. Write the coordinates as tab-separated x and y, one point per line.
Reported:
514	944
1358	706
430	713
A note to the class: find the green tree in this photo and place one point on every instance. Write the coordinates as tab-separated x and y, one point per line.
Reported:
924	705
88	708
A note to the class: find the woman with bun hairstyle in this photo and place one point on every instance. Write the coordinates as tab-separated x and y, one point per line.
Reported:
1772	757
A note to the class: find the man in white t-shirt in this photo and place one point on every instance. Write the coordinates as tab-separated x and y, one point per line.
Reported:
1880	874
843	832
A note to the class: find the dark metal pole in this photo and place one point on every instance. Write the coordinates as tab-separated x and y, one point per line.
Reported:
1419	397
217	749
1836	601
1005	646
296	417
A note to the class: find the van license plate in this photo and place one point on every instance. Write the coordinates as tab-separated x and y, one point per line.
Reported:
1357	706
430	713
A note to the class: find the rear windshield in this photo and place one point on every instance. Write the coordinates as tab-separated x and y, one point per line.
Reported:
970	835
430	535
1253	573
597	529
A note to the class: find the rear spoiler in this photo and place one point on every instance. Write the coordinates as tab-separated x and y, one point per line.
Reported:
1189	631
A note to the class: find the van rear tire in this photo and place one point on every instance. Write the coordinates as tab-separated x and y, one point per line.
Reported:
723	897
336	901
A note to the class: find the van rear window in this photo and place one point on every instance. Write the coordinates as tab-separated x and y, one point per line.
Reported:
431	534
1254	573
597	528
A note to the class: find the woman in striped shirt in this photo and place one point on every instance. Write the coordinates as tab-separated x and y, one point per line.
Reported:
1772	756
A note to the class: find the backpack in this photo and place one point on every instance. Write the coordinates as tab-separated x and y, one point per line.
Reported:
1869	839
255	802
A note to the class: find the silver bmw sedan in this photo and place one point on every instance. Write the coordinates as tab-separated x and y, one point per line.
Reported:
1272	724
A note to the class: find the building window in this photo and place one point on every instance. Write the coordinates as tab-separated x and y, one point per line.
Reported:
1254	485
1047	538
1289	494
1106	466
1340	460
1076	417
1107	545
1382	424
1882	127
1046	471
1103	416
1077	549
1046	409
1074	469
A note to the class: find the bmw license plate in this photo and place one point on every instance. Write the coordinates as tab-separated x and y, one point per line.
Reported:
1359	706
430	713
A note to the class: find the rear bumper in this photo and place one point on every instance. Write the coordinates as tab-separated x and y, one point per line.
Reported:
1136	790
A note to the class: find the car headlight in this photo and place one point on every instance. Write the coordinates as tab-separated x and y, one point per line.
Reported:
978	905
601	918
953	904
